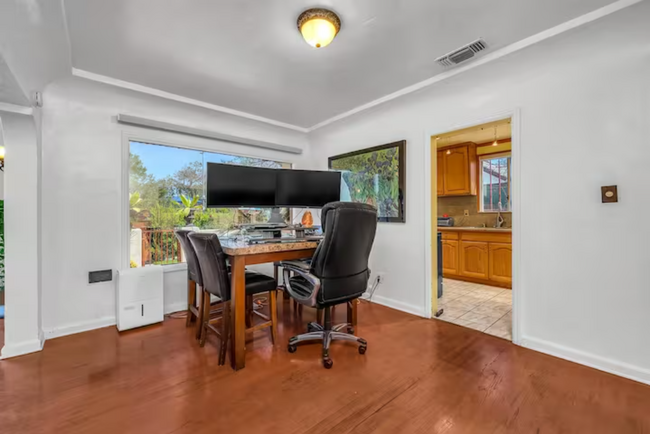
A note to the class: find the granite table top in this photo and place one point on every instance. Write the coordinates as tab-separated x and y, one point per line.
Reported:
232	247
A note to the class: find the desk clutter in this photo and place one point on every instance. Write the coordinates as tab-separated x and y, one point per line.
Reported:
274	232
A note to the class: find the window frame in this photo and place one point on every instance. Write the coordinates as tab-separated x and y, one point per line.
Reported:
190	144
491	156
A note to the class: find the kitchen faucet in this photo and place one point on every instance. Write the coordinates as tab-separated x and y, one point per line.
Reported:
499	221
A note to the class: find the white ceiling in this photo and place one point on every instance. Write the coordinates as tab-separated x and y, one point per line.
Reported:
10	91
34	49
247	55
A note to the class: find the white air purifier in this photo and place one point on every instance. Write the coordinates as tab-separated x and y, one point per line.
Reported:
139	297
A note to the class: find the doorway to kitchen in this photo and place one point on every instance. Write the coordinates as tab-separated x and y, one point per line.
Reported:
2	243
472	205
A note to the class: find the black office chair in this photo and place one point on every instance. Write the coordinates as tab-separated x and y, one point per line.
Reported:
216	281
338	272
194	280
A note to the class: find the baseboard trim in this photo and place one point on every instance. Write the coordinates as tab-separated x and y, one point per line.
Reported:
398	305
175	307
20	349
79	327
621	369
107	321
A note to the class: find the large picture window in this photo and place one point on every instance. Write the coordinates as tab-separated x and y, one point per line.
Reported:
166	191
495	183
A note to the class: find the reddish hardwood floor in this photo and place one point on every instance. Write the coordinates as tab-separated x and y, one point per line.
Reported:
418	376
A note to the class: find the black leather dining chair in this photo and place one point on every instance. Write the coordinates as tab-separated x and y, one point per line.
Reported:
338	272
216	281
194	280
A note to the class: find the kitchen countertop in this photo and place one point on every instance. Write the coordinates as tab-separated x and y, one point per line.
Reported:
472	229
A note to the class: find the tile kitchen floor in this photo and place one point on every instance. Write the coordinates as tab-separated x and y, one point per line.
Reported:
484	308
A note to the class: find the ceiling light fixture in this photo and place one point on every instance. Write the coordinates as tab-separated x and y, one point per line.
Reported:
319	26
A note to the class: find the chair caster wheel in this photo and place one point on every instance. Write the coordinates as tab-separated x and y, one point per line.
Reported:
291	348
327	363
362	349
311	328
351	330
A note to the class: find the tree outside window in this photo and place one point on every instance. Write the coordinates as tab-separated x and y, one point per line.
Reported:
166	191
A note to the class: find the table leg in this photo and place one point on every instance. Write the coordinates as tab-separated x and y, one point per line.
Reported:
238	312
352	314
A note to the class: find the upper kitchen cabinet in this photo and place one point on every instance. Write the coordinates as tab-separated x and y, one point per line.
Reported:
441	173
458	166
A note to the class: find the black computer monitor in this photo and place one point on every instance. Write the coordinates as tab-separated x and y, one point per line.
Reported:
307	188
230	186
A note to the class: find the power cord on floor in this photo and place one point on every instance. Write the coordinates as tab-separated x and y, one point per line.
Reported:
258	304
372	290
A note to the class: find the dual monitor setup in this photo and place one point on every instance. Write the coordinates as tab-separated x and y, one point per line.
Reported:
230	186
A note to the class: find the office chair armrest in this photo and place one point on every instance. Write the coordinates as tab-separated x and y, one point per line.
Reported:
296	264
309	300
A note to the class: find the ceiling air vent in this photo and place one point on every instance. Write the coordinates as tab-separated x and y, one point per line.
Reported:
463	53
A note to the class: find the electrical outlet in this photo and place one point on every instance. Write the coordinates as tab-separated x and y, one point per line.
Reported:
380	277
466	213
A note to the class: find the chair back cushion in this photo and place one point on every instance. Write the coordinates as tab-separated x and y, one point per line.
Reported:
341	259
212	261
193	268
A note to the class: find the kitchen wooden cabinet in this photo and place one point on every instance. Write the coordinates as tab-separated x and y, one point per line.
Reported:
441	173
457	170
500	263
480	256
449	257
474	259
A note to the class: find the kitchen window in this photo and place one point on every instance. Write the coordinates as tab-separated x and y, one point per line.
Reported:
495	183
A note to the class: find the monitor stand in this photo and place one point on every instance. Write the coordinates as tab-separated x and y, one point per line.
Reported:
276	217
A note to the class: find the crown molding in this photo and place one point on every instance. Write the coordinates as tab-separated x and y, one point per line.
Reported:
174	97
18	109
520	45
489	57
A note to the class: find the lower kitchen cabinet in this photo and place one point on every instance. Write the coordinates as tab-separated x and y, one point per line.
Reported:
477	256
474	259
449	257
500	261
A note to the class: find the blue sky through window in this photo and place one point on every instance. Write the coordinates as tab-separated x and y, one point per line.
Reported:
162	161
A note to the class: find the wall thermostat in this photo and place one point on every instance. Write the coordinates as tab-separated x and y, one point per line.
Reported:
609	194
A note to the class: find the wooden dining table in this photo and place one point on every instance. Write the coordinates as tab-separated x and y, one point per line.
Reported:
241	254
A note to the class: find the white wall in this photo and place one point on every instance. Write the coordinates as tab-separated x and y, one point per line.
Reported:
82	190
22	323
2	186
584	98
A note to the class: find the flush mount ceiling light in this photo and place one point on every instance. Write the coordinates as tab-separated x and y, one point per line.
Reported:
319	26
